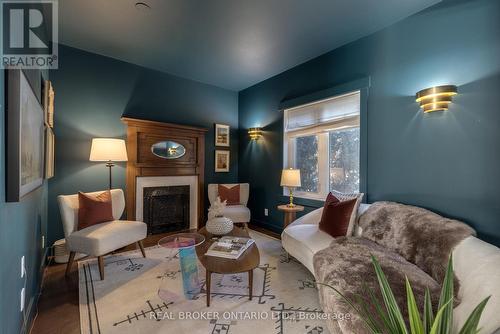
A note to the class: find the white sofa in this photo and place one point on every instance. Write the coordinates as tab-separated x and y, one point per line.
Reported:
237	213
475	262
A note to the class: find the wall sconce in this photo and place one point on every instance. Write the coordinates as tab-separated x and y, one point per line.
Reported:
255	133
436	98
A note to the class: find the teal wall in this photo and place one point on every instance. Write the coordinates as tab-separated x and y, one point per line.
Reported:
446	161
92	94
21	227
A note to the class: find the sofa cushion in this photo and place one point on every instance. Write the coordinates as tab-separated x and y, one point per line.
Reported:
302	241
346	265
229	194
213	192
237	213
94	209
354	215
336	216
476	265
103	238
422	237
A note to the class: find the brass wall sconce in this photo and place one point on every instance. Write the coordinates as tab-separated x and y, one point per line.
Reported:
255	133
436	98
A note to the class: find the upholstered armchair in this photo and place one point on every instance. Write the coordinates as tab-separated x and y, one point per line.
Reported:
100	239
239	214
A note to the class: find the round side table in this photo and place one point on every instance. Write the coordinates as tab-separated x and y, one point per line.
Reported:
185	243
289	212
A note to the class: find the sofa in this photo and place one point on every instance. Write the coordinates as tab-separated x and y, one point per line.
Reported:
476	264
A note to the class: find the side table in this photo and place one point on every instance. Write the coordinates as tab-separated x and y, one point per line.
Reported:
289	212
185	243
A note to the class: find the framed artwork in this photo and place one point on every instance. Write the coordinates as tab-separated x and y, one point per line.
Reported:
222	161
221	135
48	103
25	137
49	153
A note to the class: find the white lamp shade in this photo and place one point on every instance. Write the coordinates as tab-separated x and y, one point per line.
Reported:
108	149
290	178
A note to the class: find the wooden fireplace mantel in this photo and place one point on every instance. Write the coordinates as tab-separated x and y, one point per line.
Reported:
141	134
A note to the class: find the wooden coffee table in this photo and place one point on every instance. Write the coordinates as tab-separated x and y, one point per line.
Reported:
247	261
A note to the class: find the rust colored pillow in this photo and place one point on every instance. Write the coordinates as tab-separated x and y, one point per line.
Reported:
231	195
94	209
336	216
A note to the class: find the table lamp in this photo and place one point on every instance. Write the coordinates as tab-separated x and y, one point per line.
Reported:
110	150
290	178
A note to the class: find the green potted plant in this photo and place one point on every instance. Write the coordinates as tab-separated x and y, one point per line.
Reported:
388	317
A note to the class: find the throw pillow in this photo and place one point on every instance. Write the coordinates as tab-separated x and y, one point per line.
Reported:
353	222
336	216
231	195
94	209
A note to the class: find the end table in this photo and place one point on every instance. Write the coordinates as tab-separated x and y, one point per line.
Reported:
185	243
289	212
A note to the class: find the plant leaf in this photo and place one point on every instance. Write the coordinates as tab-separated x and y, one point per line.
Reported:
416	325
374	326
353	306
395	316
383	314
470	326
438	325
446	298
428	315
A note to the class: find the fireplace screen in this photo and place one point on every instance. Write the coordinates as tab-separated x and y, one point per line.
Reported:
166	209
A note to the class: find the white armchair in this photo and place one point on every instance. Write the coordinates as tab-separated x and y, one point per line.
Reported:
100	239
239	214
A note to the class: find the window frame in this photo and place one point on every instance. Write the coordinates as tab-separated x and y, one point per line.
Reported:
362	85
323	134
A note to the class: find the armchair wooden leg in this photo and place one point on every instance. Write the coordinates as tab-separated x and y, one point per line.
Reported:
141	246
100	259
70	262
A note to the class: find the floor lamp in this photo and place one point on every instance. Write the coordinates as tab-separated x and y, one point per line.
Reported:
108	150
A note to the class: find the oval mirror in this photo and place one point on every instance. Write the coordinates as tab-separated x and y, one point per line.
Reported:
168	149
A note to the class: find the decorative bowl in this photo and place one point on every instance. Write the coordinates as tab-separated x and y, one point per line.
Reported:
219	225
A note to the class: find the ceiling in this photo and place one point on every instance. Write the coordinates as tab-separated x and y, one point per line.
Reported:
228	43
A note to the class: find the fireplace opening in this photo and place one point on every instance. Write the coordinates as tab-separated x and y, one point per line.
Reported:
166	209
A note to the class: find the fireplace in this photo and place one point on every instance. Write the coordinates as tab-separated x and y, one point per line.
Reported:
167	200
166	209
165	175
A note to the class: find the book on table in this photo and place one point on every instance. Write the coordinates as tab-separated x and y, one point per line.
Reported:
229	247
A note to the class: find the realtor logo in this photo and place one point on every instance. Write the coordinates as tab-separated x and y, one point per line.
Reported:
29	34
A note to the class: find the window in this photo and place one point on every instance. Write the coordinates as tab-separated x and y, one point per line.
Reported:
322	139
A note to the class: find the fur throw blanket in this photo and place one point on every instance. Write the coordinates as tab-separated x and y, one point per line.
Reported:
347	266
422	237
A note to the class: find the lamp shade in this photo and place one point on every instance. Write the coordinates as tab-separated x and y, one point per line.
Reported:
108	149
290	178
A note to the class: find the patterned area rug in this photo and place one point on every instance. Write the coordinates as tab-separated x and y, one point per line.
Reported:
127	301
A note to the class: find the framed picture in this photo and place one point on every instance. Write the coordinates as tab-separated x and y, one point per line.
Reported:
49	153
221	135
48	103
222	161
25	137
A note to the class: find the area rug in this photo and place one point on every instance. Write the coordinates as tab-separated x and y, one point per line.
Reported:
126	301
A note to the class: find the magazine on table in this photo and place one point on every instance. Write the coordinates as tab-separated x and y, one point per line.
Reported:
229	247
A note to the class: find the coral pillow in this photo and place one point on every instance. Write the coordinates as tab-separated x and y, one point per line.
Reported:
94	209
231	195
336	216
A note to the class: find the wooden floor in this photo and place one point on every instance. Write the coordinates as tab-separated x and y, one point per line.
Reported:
58	310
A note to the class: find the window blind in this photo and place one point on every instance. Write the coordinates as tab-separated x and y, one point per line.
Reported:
323	113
